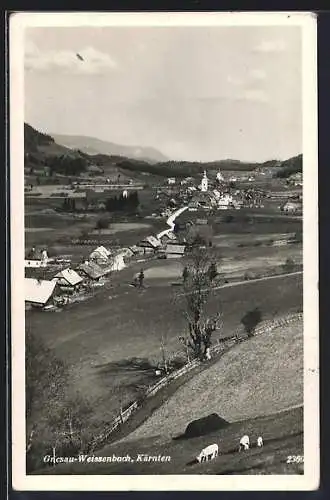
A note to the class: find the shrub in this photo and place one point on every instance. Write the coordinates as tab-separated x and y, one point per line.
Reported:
250	320
289	265
102	223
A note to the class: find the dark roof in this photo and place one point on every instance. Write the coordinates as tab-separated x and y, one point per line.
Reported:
173	248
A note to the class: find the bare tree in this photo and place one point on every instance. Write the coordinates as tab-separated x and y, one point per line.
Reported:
197	289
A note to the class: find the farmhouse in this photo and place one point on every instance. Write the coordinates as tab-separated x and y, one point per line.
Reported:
35	263
91	270
100	255
68	278
173	250
291	207
38	292
171	181
150	242
118	262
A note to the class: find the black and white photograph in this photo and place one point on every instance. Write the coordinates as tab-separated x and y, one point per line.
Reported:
164	255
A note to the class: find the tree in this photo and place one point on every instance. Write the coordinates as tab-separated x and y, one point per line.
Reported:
199	235
102	223
250	320
197	291
212	271
185	274
55	420
289	265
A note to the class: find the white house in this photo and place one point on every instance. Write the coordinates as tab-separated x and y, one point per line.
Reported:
35	263
38	292
118	262
225	201
100	254
171	181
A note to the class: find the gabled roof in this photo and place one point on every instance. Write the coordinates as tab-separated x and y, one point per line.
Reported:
38	291
172	248
150	241
68	276
100	253
91	269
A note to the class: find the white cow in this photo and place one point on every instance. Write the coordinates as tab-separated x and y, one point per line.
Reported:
244	443
260	442
208	453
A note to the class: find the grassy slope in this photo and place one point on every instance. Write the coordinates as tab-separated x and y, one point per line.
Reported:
258	377
119	323
282	433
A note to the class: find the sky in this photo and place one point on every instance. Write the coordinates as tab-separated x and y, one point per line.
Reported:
193	93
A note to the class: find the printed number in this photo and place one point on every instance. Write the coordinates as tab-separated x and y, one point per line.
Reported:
295	459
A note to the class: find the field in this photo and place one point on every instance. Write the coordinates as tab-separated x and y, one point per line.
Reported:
255	378
99	339
256	387
282	434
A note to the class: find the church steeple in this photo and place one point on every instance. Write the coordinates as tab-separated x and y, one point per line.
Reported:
205	182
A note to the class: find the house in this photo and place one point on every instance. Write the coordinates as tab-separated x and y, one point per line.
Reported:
171	181
167	237
225	202
127	252
38	292
100	255
35	263
68	278
91	270
150	242
291	207
118	262
173	250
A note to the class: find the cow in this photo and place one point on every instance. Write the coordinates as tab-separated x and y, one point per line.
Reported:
244	443
208	453
260	442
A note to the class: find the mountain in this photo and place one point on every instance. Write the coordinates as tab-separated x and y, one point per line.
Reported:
93	146
64	154
289	167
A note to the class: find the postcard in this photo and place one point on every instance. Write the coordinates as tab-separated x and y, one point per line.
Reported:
164	251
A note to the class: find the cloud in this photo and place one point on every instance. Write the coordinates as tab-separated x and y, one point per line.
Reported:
65	61
271	46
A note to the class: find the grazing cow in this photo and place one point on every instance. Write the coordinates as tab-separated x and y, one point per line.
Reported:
260	442
244	443
208	453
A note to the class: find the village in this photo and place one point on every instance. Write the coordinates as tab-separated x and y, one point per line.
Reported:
53	282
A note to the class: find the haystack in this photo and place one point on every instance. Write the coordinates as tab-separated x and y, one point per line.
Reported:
205	425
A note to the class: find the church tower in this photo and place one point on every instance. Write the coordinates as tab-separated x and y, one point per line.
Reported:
205	182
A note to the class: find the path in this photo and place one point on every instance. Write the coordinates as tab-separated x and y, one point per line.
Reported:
245	282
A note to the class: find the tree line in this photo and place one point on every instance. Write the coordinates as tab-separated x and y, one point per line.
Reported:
123	203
